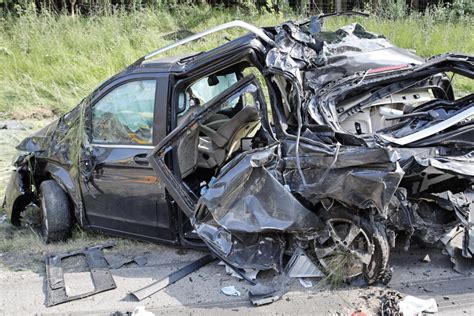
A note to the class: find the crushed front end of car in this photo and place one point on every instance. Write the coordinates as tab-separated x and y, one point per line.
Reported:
365	141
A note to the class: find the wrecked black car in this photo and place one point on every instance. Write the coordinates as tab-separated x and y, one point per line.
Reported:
287	140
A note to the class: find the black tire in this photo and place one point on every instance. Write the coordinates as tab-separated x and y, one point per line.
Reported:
56	215
378	266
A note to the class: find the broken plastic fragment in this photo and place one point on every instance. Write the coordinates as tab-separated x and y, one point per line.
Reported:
411	305
141	311
261	294
230	291
306	283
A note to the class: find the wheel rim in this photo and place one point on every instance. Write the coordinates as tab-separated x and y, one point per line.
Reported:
347	251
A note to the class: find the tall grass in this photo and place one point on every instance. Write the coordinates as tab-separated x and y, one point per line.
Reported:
49	62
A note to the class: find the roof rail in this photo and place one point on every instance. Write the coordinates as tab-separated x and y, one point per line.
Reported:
237	23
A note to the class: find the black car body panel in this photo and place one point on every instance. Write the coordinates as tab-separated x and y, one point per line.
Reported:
349	130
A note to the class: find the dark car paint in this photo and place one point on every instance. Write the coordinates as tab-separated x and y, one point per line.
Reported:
123	195
126	197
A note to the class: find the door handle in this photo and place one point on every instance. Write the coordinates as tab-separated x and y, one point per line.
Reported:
141	159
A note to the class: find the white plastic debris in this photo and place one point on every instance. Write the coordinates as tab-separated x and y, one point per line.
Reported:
141	311
306	283
230	291
249	273
412	305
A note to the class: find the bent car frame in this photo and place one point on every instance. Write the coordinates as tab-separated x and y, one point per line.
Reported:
287	138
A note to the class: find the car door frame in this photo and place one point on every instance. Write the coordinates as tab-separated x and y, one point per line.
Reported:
169	174
160	128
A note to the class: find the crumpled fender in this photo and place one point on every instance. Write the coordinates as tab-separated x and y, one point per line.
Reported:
18	193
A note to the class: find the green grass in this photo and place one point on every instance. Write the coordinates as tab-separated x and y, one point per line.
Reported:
49	62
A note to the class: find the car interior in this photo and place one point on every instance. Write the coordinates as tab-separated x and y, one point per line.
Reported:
225	133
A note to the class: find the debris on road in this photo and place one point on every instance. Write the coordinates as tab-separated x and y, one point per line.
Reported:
390	303
141	311
300	266
248	274
306	283
230	291
261	294
56	289
172	278
117	261
414	306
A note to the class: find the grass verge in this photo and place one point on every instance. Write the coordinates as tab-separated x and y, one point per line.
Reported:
50	62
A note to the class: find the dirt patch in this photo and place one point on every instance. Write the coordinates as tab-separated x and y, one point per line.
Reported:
22	248
35	113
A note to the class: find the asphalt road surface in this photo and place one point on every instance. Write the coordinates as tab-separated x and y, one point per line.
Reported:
22	290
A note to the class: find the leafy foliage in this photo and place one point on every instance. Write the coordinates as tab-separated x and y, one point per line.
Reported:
50	61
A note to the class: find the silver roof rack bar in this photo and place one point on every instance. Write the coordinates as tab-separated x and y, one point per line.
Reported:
237	23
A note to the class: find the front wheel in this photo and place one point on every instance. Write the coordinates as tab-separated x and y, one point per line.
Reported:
353	247
55	209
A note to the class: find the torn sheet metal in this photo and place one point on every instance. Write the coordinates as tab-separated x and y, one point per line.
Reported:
99	270
359	176
300	266
239	199
247	225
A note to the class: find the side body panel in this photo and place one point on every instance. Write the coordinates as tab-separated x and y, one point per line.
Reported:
123	195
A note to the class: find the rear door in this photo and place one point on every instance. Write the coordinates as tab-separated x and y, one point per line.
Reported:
124	196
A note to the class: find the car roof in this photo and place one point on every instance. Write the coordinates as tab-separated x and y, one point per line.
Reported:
181	63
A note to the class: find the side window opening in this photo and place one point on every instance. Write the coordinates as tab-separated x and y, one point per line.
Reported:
202	91
125	115
229	130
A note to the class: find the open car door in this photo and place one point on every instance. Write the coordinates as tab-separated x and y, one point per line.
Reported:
185	198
